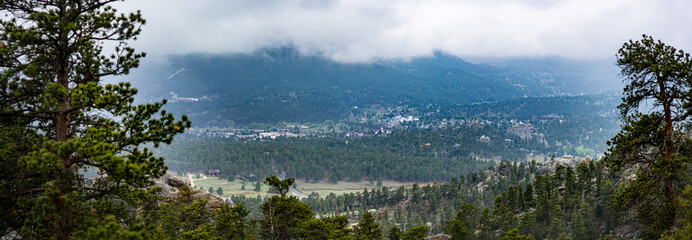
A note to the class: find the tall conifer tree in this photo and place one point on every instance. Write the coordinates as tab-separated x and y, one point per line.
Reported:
78	158
658	79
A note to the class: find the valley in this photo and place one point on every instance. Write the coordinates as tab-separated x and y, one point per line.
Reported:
411	141
322	188
350	120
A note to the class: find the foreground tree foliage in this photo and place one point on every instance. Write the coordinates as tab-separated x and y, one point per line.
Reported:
73	162
187	217
367	228
654	143
415	233
286	217
283	215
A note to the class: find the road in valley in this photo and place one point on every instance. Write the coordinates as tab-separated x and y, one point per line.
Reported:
192	181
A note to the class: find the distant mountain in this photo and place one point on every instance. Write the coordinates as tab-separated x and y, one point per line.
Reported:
283	85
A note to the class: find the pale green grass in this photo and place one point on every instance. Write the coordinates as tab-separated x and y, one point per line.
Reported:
538	157
230	188
585	151
323	188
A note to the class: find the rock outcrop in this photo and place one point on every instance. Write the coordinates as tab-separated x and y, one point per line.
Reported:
170	183
568	160
526	131
170	188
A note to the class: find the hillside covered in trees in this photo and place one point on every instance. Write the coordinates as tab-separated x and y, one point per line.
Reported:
409	155
281	84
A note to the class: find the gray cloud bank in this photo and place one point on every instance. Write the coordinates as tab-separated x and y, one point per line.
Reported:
364	30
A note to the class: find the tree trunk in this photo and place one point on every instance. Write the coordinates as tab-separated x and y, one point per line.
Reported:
62	120
670	193
62	128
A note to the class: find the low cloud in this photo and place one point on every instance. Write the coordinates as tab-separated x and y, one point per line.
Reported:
366	30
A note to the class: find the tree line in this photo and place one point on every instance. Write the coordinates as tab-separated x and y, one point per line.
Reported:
406	155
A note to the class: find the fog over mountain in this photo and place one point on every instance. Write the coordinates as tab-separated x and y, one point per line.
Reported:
366	31
282	84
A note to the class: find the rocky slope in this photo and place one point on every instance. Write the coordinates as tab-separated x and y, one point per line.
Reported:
170	188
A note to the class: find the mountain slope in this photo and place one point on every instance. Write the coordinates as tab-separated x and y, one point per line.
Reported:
283	85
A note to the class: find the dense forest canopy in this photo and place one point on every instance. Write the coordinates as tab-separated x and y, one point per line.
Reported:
409	155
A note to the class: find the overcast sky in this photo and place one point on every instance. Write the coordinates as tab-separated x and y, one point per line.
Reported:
363	30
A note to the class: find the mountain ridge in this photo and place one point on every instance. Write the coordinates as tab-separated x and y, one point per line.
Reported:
284	85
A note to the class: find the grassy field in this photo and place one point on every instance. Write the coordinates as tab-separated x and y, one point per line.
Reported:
231	188
323	188
538	157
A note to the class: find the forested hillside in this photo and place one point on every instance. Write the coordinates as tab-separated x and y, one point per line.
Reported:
537	108
284	85
406	155
588	121
541	200
544	200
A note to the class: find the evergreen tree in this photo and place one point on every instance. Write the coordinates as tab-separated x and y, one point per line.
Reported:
582	227
415	233
59	120
514	235
529	201
395	233
557	223
484	221
584	176
684	231
528	225
283	215
231	222
457	229
219	191
653	142
326	228
367	228
181	218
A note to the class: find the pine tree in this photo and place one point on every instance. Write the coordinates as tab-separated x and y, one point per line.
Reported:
653	142
415	233
582	223
58	120
367	228
457	229
283	215
514	235
528	225
557	223
231	223
529	201
258	186
484	221
395	233
326	228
